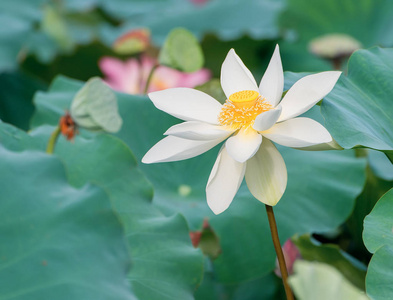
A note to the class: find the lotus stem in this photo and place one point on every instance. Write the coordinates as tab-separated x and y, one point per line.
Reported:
52	140
150	77
280	255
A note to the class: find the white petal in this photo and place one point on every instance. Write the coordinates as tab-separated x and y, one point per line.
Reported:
306	92
243	145
266	174
194	130
267	119
272	83
298	133
187	104
224	181
173	148
333	145
235	76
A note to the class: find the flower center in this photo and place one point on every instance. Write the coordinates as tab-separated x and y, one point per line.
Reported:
244	98
241	109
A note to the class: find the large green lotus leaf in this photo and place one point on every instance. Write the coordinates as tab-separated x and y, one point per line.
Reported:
19	33
267	287
17	90
13	36
378	224
141	9
137	12
378	238
315	280
264	288
45	29
15	139
380	164
165	264
51	105
62	30
123	9
17	18
358	111
331	254
380	275
320	195
372	191
228	19
364	20
57	242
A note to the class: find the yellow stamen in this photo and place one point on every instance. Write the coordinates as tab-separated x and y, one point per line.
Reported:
241	109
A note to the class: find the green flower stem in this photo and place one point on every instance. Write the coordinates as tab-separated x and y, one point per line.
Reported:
150	77
280	255
52	140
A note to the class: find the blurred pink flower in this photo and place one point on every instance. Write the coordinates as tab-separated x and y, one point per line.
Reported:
291	254
130	76
199	2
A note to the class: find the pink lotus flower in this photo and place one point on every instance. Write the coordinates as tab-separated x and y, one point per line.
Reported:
130	76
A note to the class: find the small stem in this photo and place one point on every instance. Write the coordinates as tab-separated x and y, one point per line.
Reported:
280	255
150	77
337	63
52	140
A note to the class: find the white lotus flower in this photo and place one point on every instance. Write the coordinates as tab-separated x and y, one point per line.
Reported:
251	118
